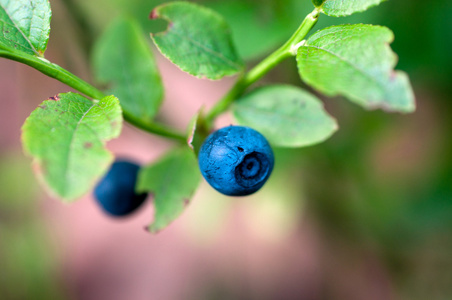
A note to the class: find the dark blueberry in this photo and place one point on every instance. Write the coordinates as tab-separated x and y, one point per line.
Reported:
116	191
236	160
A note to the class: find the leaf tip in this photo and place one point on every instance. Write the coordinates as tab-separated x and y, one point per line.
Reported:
151	228
154	14
37	167
335	125
55	98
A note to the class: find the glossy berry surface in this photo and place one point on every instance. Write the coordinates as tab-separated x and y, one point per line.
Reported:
116	191
236	160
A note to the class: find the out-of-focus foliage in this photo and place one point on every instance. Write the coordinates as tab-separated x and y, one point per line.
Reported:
286	115
27	260
134	77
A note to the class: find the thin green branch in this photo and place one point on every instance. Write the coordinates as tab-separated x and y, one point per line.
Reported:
54	71
155	128
285	51
64	76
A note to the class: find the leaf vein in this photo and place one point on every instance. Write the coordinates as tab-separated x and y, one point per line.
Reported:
215	53
20	31
354	66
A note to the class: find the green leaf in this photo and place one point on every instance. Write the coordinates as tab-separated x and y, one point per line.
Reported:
123	58
286	115
356	61
66	137
25	25
197	131
173	181
197	40
260	29
340	8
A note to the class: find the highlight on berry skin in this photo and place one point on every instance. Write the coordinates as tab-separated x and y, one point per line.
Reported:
236	160
115	193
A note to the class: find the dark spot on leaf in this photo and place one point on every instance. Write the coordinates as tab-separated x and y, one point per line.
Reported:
88	145
55	98
42	106
6	31
240	149
186	201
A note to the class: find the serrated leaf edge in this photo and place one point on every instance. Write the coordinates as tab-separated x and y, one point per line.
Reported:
155	15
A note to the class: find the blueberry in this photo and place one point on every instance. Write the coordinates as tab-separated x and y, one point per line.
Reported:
236	160
116	191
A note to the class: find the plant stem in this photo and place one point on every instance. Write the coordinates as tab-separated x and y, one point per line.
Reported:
54	71
155	128
263	67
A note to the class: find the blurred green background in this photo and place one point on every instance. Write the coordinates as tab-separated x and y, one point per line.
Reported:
371	207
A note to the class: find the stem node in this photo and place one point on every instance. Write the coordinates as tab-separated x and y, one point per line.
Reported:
294	48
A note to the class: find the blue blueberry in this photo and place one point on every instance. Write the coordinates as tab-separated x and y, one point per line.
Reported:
236	160
116	191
